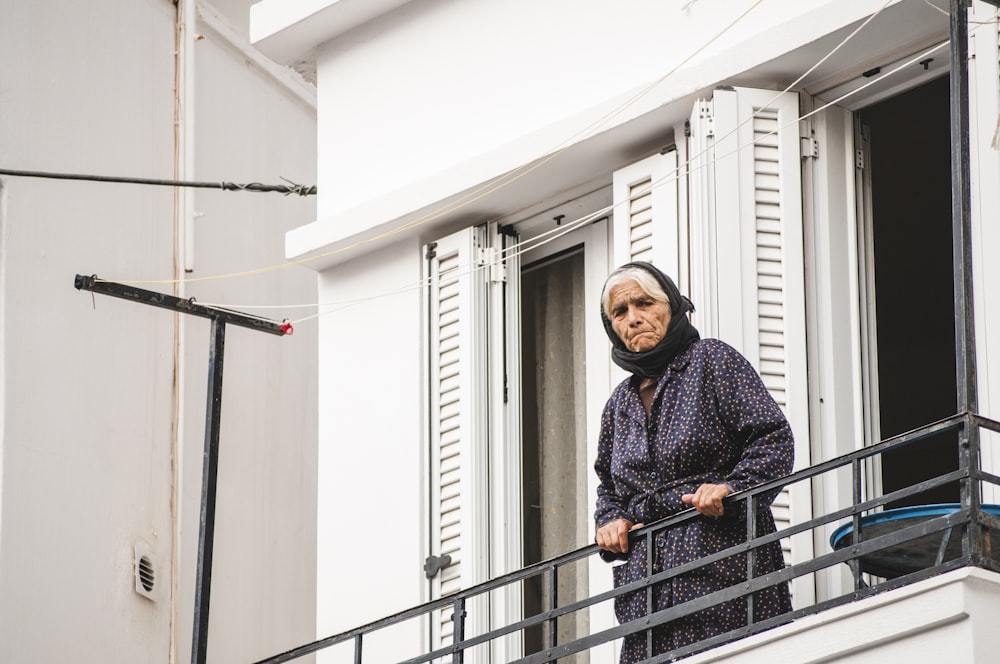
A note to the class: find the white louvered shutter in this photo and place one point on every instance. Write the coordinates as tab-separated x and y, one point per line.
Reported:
645	212
746	175
459	480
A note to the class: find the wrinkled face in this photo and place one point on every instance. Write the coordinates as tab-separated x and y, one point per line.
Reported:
640	321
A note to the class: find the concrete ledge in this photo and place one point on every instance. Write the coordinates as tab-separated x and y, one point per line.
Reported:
947	618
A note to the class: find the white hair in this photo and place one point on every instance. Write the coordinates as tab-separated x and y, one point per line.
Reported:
647	282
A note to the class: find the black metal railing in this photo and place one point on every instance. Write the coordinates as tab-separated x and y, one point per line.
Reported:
968	518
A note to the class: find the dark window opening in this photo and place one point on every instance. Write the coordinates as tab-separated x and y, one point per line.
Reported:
914	303
556	518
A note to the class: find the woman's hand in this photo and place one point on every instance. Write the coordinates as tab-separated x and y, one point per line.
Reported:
613	536
708	498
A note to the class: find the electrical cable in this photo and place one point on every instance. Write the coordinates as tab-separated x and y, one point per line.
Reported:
945	12
567	227
517	249
479	192
286	189
500	182
510	252
572	225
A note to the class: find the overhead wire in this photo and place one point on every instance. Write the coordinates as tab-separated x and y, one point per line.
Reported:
570	226
673	176
286	189
479	192
460	270
945	12
504	180
537	241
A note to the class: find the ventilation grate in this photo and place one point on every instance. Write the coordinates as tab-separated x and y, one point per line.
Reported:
145	572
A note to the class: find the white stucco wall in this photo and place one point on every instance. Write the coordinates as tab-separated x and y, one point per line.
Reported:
87	436
371	452
985	176
86	440
430	86
432	100
249	128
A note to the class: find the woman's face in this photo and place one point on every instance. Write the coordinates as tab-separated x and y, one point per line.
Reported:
640	321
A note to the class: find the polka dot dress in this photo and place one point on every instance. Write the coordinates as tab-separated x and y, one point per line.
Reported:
711	420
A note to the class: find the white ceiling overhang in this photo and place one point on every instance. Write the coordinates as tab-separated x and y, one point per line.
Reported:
288	31
537	169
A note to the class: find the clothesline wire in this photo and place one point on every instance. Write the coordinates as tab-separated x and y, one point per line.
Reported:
521	247
537	241
946	13
469	268
673	176
567	227
286	189
480	191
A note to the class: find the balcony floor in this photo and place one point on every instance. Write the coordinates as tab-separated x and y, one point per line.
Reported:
948	618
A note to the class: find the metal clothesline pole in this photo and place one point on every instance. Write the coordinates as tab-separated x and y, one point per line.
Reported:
213	418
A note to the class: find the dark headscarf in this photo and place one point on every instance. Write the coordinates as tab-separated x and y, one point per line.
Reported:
680	333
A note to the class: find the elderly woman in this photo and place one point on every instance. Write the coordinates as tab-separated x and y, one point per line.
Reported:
692	424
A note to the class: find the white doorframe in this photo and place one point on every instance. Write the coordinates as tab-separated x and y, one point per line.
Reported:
504	353
867	324
594	237
833	317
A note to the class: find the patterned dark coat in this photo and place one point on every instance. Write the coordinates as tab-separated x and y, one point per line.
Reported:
711	420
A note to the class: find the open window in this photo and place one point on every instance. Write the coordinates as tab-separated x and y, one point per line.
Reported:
905	180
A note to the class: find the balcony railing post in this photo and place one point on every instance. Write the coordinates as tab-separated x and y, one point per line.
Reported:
961	217
856	497
752	552
553	623
458	618
961	220
971	496
357	648
649	590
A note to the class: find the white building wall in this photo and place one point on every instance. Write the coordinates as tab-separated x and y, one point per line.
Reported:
433	99
89	464
250	127
437	98
433	85
985	177
86	440
372	456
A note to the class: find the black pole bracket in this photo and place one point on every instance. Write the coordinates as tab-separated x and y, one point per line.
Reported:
182	305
